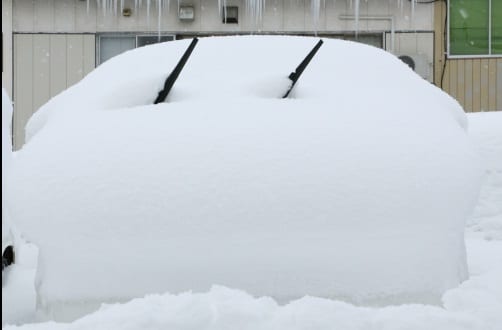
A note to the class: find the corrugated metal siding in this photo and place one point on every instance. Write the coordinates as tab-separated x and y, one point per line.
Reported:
45	65
475	82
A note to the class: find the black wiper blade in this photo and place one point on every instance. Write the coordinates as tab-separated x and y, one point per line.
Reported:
294	76
168	85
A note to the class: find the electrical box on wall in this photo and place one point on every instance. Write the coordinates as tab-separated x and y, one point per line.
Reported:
186	13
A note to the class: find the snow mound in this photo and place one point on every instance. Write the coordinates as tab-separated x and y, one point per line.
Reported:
484	129
475	305
356	188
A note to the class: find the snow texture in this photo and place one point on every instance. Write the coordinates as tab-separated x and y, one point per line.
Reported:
485	129
357	188
475	305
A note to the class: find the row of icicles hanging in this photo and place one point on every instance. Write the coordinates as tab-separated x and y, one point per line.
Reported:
254	8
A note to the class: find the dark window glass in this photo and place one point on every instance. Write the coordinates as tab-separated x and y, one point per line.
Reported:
150	40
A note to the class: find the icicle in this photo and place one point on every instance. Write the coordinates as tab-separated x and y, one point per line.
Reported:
255	9
315	9
413	2
222	7
103	6
148	12
356	16
159	18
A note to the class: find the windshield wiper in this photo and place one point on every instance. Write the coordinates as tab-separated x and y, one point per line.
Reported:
168	85
294	76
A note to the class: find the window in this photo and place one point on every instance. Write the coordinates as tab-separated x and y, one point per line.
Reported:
475	27
150	40
111	45
230	14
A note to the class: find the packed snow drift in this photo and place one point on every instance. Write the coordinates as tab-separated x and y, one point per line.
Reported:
357	187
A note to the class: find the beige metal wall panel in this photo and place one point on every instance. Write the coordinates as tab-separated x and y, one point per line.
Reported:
468	85
476	84
492	84
499	85
445	80
453	78
45	65
460	83
483	85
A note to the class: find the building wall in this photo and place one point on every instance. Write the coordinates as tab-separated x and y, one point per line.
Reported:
476	83
279	15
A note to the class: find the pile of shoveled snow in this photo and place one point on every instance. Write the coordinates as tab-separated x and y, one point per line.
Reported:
355	188
485	130
476	304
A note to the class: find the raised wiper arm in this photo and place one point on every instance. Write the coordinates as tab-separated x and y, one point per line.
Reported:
294	76
175	73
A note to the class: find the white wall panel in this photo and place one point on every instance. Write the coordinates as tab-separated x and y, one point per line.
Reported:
45	65
23	85
281	15
58	63
43	20
64	15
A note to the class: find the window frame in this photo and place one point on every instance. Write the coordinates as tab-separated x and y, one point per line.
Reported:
489	55
134	35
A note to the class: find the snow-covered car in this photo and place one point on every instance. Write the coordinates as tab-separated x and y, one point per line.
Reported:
357	186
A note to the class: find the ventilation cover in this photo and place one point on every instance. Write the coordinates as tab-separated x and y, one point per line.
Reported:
419	63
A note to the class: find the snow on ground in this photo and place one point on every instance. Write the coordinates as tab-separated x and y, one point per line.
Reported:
325	193
18	286
485	129
474	305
